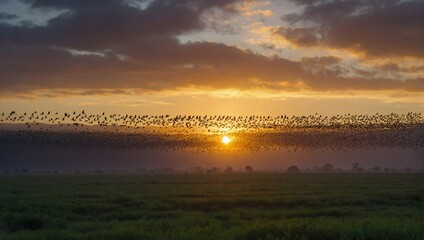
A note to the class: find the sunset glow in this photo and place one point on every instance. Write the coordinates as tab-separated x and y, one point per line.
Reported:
211	119
226	140
236	57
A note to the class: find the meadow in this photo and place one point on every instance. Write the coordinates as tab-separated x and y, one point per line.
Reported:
267	206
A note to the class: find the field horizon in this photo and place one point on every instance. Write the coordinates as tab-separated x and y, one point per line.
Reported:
213	206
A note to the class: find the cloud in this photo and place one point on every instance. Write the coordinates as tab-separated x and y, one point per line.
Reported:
94	48
7	16
377	28
300	36
94	25
156	65
394	67
78	4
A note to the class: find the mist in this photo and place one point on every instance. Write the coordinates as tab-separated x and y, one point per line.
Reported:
32	157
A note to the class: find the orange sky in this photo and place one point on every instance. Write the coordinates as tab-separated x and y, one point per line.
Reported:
212	57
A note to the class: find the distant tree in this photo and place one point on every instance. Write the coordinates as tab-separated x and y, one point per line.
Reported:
386	169
76	171
376	169
407	169
317	169
248	169
165	170
229	170
56	172
355	166
197	170
24	170
98	170
5	171
328	167
393	169
141	170
293	169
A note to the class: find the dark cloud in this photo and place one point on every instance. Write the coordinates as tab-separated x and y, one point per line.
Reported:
78	4
154	64
103	48
315	65
394	67
93	30
93	25
167	64
300	36
321	61
101	4
328	81
7	16
378	28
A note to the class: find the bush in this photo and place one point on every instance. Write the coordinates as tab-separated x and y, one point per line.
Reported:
328	167
248	169
293	169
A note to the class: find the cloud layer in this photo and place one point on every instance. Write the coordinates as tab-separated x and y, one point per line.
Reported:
130	44
377	28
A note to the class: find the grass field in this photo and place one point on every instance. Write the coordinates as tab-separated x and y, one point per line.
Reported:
213	206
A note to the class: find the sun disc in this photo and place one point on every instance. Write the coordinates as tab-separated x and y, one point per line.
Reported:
226	140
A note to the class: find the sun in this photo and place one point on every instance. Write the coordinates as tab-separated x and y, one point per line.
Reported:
226	140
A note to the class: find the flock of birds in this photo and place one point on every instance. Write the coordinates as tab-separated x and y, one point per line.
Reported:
203	133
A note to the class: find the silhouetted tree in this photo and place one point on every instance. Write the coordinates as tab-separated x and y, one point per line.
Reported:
387	169
248	169
407	169
328	167
355	166
376	169
197	170
293	169
229	170
142	170
24	170
317	169
165	170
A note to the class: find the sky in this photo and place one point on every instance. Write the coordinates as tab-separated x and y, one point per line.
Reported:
212	56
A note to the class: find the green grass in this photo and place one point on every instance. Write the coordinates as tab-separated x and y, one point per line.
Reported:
239	206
